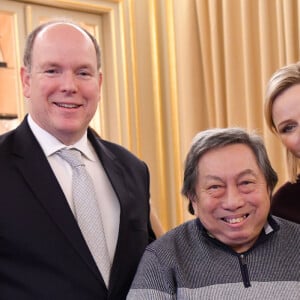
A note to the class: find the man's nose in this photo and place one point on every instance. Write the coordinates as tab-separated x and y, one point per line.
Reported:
69	82
233	198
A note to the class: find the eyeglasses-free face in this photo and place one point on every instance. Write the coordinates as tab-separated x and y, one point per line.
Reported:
286	117
233	200
63	84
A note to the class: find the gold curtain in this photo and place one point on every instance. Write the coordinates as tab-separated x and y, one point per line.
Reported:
226	52
175	67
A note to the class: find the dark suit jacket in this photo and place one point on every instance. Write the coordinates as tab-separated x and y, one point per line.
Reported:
42	252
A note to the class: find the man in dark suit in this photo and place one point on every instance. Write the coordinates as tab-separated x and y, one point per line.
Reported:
43	253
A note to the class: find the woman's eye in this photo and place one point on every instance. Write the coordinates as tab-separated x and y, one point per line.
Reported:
288	128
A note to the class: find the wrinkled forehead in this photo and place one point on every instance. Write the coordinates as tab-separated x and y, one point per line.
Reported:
229	158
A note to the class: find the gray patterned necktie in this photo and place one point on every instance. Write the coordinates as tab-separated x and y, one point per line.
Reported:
87	212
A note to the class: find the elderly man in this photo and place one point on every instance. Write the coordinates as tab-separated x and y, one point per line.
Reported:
234	249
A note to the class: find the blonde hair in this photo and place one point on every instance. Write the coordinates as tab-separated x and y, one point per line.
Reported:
280	81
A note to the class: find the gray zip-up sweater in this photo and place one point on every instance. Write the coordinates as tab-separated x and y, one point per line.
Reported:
186	263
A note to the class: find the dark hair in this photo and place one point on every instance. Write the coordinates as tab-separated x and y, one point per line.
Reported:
210	139
27	58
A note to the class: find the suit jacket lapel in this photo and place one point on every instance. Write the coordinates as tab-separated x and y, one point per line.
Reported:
122	261
36	171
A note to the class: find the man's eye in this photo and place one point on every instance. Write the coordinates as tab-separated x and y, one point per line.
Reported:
246	182
214	187
84	73
215	190
51	71
247	186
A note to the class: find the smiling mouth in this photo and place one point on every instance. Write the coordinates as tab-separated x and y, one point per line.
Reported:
235	220
67	105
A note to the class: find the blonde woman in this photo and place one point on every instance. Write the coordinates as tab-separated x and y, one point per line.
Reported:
282	113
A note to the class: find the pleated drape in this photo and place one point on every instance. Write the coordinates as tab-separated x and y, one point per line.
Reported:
174	67
227	51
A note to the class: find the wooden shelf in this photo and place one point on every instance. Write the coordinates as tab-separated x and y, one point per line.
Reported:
8	71
8	91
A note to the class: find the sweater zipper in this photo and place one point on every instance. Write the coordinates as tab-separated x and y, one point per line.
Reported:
244	270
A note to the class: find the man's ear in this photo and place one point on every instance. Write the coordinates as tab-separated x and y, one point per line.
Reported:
25	78
100	79
193	204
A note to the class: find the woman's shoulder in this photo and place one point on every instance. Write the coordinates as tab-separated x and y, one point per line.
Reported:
285	202
288	189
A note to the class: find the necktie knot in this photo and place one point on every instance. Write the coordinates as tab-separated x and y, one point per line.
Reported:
72	156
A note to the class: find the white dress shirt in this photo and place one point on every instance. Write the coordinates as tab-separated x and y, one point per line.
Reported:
106	196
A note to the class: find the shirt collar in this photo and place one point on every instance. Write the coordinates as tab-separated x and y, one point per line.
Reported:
50	144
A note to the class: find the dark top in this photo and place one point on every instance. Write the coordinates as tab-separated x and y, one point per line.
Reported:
286	201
